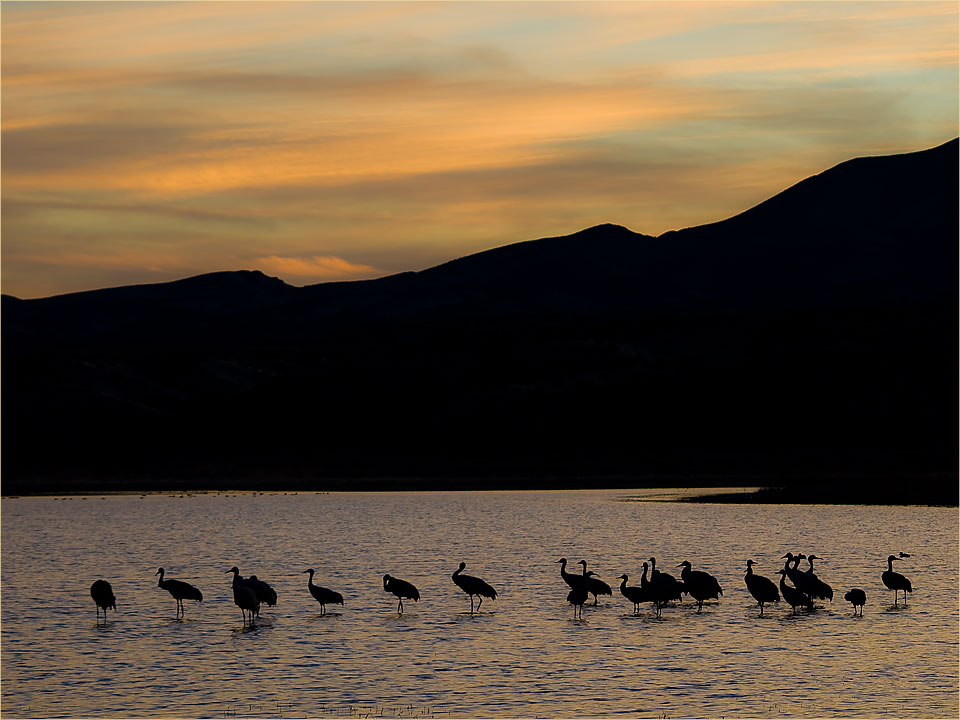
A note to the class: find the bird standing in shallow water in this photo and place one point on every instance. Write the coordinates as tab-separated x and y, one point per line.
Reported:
700	585
102	594
570	579
322	595
402	589
264	592
791	594
895	581
577	597
857	597
243	596
819	589
763	589
635	593
180	590
595	586
473	586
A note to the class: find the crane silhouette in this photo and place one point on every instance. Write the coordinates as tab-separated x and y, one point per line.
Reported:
595	586
895	581
180	590
102	594
700	585
402	589
857	597
791	594
264	592
801	580
577	597
634	593
574	581
663	587
473	586
819	589
763	589
322	595
243	596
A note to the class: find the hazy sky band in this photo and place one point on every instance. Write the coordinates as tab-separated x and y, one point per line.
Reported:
318	141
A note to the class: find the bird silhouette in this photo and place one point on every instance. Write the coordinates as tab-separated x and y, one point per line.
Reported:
180	590
857	597
243	596
102	594
793	596
322	595
634	593
402	589
264	592
895	581
473	586
819	588
801	580
595	586
763	589
570	579
577	597
663	587
699	585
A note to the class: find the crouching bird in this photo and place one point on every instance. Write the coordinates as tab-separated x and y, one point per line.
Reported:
857	597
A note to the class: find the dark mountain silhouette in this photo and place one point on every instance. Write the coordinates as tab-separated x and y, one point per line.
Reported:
813	335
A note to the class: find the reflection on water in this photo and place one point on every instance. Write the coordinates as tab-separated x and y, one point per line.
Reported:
522	655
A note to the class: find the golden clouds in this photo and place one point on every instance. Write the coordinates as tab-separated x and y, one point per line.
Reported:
388	136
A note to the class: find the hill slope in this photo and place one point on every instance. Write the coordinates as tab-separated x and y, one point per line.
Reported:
814	333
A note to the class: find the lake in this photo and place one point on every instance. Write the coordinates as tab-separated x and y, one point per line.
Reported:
524	656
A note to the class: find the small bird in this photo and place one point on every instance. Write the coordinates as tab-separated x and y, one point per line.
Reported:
243	596
763	589
180	590
577	597
700	585
102	594
595	586
473	586
895	581
857	597
402	589
322	595
635	593
791	594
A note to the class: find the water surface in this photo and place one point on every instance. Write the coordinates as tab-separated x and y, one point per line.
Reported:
523	656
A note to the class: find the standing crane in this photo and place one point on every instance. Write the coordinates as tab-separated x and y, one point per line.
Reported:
322	595
577	597
102	594
402	589
180	590
791	594
819	588
243	596
570	579
763	589
264	592
857	597
700	585
595	586
635	593
473	586
895	581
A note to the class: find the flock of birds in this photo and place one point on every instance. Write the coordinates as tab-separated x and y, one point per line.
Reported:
660	588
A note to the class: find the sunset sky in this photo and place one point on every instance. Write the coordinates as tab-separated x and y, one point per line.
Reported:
144	142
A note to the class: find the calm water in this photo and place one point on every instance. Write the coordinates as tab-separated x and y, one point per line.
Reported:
526	657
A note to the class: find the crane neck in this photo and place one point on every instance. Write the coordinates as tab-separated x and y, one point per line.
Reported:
749	569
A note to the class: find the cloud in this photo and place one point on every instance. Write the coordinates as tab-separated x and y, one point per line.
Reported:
316	268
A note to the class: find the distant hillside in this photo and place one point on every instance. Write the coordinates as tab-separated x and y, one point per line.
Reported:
813	334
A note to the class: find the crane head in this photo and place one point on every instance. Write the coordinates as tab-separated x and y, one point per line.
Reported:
562	560
235	570
750	562
892	557
159	572
308	571
788	556
582	562
904	555
685	563
816	557
623	577
462	565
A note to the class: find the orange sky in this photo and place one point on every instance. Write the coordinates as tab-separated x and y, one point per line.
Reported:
144	142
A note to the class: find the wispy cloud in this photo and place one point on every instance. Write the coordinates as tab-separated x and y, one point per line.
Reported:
316	268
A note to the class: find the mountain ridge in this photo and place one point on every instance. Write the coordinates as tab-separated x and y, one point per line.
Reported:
809	336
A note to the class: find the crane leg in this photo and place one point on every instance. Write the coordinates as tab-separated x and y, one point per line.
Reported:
400	607
478	604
